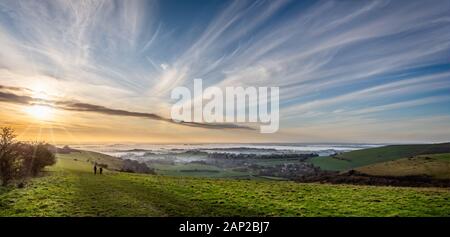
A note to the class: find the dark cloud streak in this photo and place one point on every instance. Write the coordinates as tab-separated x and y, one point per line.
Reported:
9	97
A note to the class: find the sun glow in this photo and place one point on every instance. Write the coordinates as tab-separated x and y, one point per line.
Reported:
41	112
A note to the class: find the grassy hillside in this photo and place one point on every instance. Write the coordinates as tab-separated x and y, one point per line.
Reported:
70	189
90	157
359	158
437	166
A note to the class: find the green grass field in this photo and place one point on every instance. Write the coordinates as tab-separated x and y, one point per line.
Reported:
70	189
359	158
113	163
198	170
436	166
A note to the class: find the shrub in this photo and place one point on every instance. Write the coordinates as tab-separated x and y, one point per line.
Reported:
19	160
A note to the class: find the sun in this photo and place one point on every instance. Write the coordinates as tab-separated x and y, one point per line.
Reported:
41	112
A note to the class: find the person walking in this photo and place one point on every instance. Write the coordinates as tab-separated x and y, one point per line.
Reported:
101	170
95	169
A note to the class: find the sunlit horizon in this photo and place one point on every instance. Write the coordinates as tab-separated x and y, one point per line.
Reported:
359	72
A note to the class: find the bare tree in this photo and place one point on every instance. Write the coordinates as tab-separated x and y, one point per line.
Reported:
7	156
19	160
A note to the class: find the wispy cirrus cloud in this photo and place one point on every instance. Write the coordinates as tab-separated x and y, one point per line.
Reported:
377	59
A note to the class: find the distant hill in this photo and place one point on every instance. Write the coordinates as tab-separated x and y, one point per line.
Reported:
364	157
109	162
103	160
433	165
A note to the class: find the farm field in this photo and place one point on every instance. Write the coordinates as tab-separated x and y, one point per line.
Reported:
365	157
198	170
436	166
212	171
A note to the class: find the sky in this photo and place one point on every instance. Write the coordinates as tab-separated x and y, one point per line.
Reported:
348	71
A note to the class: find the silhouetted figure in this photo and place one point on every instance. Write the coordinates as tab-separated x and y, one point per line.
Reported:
101	170
95	169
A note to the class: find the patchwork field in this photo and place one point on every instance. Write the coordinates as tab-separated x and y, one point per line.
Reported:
436	166
212	171
69	188
365	157
198	170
